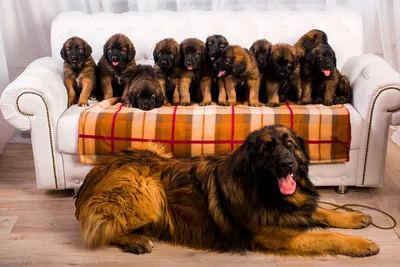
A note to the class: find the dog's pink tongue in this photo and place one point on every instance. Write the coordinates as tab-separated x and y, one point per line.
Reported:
212	58
222	72
190	67
327	73
115	63
287	185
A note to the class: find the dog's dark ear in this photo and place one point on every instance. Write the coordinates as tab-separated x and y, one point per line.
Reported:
160	99
155	54
177	56
105	48
239	68
302	146
63	53
253	48
310	58
88	50
131	53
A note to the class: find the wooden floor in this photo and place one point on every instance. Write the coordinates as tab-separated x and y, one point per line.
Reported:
38	228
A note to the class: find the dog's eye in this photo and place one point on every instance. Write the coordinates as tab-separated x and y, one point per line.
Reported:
320	59
197	52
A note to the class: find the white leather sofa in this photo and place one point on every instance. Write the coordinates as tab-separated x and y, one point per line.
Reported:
37	99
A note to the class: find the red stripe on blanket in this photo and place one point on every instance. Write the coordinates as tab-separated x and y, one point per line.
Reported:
233	128
173	129
113	128
291	115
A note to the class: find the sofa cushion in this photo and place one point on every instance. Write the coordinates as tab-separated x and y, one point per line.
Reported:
306	120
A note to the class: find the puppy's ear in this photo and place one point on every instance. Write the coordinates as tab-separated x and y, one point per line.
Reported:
105	48
131	53
88	50
155	53
63	53
253	48
302	146
160	99
177	56
239	68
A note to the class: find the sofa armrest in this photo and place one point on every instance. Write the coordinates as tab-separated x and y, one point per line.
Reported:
376	96
40	85
371	76
35	101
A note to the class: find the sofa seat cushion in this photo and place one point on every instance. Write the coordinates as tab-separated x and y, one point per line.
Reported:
108	127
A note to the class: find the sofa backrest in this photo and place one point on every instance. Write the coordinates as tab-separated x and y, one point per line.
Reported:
344	28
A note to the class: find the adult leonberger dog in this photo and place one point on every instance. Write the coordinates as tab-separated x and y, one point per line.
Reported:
242	78
322	80
79	71
258	197
284	75
212	86
117	67
192	50
145	91
167	60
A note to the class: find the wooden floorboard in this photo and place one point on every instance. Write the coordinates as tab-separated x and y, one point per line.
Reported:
38	228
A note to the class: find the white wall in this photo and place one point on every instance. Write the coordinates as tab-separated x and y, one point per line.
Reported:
5	128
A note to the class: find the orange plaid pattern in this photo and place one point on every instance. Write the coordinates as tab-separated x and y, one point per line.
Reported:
108	127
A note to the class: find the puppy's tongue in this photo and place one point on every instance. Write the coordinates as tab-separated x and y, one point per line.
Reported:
190	67
212	58
327	73
222	72
115	63
287	185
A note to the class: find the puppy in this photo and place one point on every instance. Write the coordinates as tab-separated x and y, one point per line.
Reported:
322	80
262	50
167	61
211	84
79	70
145	91
309	41
191	67
238	66
284	75
117	67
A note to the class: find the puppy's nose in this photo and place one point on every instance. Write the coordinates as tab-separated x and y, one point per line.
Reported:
283	72
163	61
114	58
74	57
286	163
329	66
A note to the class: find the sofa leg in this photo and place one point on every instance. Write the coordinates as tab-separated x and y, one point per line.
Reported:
342	189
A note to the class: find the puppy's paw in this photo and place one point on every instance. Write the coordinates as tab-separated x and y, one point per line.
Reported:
231	103
140	246
282	98
257	104
246	103
184	104
318	100
71	103
272	105
83	103
205	103
222	103
339	100
327	102
303	102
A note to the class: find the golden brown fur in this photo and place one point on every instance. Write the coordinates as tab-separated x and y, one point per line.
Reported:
79	71
167	60
322	81
308	41
228	202
284	75
192	50
117	67
238	66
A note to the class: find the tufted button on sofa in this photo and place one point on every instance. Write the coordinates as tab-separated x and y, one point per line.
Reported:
37	99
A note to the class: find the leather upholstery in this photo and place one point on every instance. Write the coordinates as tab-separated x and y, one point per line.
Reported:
37	99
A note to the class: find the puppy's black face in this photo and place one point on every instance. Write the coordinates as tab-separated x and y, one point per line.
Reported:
215	44
323	60
192	50
144	99
75	50
166	53
119	50
282	60
232	61
278	156
261	50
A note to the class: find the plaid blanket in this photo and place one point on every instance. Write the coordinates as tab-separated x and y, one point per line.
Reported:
108	127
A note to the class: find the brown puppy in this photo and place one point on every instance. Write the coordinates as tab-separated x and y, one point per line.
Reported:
167	59
259	197
210	82
238	66
308	41
284	75
79	70
262	50
192	50
117	67
323	79
145	90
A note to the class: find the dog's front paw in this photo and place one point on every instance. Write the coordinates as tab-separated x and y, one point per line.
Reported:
318	100
184	104
231	103
205	103
71	103
272	104
339	100
83	103
282	98
327	102
257	104
141	246
301	102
